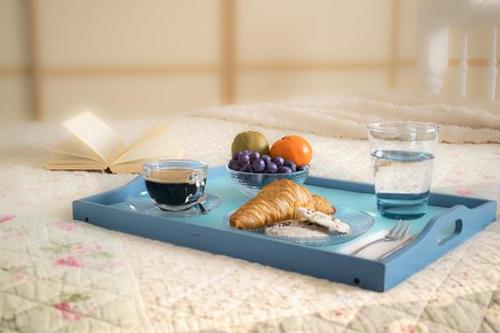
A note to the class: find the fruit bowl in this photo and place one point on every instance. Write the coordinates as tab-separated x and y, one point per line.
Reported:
250	183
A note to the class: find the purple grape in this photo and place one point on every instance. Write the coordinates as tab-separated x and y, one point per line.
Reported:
271	167
279	161
266	158
246	168
233	165
243	160
246	152
237	155
254	155
291	165
285	169
258	165
303	167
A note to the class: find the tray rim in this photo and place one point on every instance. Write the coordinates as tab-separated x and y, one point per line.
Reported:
375	275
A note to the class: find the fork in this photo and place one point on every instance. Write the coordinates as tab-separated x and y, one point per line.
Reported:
398	232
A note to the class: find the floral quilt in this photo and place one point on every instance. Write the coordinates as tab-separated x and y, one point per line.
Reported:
58	275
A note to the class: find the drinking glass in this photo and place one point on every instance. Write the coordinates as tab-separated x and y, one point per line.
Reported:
402	158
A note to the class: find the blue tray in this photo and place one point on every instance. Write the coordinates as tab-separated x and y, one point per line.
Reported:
462	216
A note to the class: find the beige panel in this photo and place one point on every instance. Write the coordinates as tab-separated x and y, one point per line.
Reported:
479	37
477	87
407	29
113	32
13	33
408	80
123	97
313	30
479	43
14	98
254	86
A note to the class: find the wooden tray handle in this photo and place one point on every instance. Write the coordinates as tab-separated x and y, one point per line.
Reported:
463	222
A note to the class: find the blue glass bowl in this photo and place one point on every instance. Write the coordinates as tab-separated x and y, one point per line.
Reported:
251	183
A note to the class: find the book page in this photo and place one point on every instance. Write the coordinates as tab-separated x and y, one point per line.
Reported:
74	167
150	134
65	162
138	154
153	144
151	150
96	135
74	147
127	168
137	165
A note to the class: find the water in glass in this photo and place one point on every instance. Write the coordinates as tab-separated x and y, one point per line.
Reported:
402	180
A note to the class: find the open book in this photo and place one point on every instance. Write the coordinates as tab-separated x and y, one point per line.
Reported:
93	145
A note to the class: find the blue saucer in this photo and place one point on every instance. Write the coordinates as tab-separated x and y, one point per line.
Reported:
142	203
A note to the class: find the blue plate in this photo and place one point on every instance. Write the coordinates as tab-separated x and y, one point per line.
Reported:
359	221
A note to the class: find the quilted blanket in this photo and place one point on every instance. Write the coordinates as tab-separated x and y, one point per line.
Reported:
346	116
57	275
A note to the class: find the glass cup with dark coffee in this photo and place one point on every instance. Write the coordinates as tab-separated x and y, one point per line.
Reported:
175	184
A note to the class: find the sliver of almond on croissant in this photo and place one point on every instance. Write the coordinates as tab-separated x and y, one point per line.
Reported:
277	202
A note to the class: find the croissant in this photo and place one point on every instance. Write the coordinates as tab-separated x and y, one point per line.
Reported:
277	202
323	205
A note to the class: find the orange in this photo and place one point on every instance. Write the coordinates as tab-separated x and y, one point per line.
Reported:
294	148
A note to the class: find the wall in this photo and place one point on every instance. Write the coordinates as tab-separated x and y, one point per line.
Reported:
134	58
15	82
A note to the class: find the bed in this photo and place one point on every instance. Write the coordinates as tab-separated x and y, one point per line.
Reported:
61	276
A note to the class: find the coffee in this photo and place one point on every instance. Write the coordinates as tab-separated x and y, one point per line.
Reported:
175	194
175	184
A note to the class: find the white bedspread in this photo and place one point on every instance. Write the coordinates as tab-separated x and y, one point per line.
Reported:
346	116
60	276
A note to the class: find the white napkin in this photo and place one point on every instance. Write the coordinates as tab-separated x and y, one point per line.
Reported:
373	251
